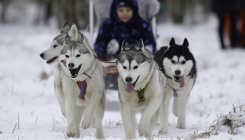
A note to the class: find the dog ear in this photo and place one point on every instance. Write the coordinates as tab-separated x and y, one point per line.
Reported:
141	46
172	42
80	37
73	33
185	43
124	44
67	40
65	28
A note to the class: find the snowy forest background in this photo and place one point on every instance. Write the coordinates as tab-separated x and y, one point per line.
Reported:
77	11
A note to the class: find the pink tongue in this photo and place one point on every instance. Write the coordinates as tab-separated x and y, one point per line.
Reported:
129	88
182	82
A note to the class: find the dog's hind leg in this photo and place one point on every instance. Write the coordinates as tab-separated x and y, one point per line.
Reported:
126	113
168	93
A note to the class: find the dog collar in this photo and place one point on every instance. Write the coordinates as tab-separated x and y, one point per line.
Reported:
82	86
140	94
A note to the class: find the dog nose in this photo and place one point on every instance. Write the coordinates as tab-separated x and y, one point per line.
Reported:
42	55
71	65
128	79
177	72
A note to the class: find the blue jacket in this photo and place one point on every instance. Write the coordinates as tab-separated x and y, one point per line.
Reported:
133	30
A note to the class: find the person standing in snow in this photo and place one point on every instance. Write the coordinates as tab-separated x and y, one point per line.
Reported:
124	23
224	9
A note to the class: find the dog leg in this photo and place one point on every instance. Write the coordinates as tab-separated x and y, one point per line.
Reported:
93	103
152	125
175	106
182	103
74	115
98	116
59	91
134	120
150	110
164	110
126	113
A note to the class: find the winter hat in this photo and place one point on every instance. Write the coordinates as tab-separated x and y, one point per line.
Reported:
125	4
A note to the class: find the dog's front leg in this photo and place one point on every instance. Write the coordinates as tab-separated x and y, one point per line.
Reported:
153	105
93	103
168	93
127	117
73	115
59	91
182	103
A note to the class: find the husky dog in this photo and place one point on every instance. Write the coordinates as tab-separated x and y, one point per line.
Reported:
52	53
140	85
179	67
80	90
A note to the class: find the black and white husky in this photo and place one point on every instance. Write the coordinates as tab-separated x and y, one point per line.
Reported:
179	67
140	85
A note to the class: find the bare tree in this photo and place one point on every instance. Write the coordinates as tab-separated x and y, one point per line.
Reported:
4	4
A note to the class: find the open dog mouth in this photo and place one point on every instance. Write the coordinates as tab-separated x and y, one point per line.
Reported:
180	80
74	72
130	86
51	60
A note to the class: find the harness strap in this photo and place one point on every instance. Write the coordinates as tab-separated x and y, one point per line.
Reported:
111	70
104	61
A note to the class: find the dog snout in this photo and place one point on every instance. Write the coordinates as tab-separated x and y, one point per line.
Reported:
42	55
177	72
128	79
71	65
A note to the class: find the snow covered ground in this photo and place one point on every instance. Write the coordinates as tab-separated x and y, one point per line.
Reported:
29	109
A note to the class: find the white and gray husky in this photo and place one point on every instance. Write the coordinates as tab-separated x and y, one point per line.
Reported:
79	83
179	66
141	85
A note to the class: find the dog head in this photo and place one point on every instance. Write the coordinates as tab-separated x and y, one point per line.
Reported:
52	53
75	57
178	62
134	63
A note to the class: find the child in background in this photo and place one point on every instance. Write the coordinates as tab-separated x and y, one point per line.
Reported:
124	23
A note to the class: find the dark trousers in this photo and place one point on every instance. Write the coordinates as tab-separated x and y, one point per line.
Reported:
234	36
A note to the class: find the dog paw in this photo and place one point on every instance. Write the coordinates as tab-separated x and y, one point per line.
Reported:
143	132
163	130
73	134
143	127
181	126
86	122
